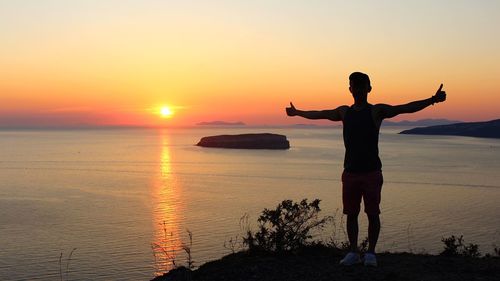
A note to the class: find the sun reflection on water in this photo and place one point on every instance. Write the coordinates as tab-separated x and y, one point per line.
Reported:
166	245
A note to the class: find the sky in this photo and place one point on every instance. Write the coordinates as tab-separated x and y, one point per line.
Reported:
117	62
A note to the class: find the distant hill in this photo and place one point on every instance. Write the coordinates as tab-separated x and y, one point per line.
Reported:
304	126
488	129
220	123
422	122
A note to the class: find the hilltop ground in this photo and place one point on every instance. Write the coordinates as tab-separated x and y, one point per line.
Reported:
322	263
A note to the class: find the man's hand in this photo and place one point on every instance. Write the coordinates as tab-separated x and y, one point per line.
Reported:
440	95
291	111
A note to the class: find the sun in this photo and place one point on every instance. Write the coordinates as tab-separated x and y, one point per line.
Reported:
166	112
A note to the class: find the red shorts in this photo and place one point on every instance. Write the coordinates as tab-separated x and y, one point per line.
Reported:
361	185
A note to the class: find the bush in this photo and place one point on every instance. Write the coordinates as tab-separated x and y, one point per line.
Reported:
455	246
496	251
287	227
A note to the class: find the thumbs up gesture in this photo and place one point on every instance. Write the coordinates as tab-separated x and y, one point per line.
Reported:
291	111
440	95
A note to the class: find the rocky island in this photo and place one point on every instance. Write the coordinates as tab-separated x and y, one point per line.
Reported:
246	141
488	129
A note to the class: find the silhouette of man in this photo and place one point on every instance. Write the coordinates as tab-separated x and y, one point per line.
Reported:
362	175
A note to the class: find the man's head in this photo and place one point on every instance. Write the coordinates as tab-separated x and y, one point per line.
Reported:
359	84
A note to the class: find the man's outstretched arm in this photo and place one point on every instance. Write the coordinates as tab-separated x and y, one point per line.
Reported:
332	114
389	111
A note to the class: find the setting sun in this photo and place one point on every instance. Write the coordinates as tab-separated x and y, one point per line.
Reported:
166	112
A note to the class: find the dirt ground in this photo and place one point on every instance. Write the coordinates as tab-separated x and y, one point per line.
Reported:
323	264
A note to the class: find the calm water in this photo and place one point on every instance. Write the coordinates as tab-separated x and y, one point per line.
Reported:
123	198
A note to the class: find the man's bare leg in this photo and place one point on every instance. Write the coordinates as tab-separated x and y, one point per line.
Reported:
373	232
352	231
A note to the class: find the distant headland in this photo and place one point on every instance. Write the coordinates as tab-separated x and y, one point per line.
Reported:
221	123
421	122
488	129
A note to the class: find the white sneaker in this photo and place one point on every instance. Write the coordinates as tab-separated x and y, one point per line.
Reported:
370	259
350	259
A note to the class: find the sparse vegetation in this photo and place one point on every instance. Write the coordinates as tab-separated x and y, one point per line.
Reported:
286	228
164	255
165	252
236	243
455	246
233	244
334	241
496	252
68	260
409	238
187	249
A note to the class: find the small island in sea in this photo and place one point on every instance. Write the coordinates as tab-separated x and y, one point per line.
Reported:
246	141
488	129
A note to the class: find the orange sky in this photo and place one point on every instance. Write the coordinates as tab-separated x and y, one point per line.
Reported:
92	62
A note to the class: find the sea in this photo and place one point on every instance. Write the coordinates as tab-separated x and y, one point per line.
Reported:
131	204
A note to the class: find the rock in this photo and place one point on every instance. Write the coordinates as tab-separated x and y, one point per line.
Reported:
246	141
489	129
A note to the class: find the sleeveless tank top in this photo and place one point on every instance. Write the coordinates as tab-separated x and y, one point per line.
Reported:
361	141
